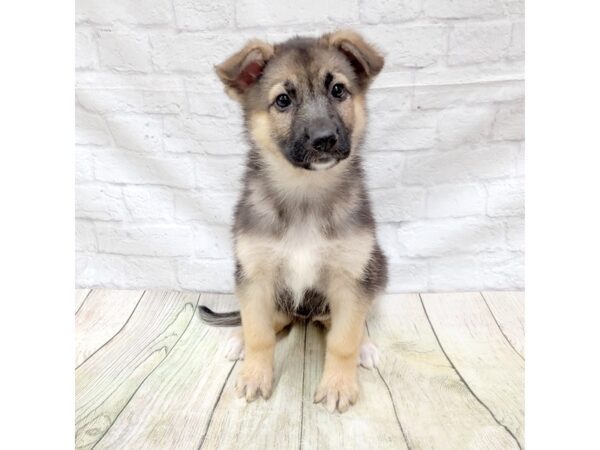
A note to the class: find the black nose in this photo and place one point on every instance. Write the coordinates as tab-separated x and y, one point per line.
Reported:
323	140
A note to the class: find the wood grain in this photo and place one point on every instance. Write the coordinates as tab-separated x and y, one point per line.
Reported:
101	317
480	353
274	423
172	408
80	295
370	423
435	407
508	308
107	381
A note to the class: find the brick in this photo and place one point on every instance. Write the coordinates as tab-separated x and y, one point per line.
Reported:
138	12
147	240
213	241
252	13
401	130
498	271
506	198
515	233
389	11
117	93
447	236
213	275
204	14
118	271
411	45
208	206
213	104
383	170
462	9
86	53
85	236
398	204
479	42
90	128
125	167
516	50
101	202
456	200
509	123
219	173
437	97
149	202
407	276
137	133
84	164
462	164
466	124
193	52
124	50
204	134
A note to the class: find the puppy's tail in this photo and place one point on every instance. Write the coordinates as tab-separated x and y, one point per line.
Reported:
228	319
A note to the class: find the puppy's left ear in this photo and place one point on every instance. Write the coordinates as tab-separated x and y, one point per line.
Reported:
365	59
241	70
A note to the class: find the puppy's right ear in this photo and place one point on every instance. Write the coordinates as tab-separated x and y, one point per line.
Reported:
240	71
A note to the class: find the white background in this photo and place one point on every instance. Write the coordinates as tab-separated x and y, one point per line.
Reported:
160	150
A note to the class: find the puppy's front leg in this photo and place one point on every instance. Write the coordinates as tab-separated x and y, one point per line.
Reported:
339	384
258	316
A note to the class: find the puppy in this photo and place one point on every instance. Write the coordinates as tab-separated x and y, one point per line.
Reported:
304	235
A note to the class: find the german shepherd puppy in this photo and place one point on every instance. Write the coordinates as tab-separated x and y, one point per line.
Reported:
305	240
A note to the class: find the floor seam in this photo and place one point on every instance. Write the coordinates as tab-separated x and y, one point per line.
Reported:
212	412
83	302
303	371
500	328
391	397
461	377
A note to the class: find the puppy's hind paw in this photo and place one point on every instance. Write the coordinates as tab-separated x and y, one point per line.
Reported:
234	348
369	355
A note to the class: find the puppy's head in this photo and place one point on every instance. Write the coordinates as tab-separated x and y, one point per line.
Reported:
304	99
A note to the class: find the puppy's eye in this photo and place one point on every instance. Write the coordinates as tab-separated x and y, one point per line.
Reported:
283	101
338	90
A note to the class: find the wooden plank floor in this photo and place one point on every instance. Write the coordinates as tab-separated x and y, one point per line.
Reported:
150	375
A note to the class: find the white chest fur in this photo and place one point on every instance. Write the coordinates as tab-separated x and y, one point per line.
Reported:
302	253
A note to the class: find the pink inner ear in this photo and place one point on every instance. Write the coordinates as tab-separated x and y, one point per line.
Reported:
249	75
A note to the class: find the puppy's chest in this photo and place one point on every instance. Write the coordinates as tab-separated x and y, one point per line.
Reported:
302	254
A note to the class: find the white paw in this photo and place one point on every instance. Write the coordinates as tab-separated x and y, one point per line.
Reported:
234	348
369	355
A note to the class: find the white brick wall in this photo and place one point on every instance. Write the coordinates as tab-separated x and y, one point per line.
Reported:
160	149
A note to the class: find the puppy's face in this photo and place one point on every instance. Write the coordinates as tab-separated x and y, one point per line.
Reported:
304	99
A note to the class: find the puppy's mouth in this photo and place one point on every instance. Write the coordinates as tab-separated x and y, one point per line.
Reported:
323	163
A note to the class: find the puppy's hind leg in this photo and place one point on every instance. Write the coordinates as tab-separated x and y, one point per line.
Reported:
234	348
369	353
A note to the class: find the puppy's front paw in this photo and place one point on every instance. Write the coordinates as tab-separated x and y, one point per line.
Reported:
369	355
254	380
338	390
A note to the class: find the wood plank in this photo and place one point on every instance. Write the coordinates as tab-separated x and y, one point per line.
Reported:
106	382
435	407
508	308
103	314
370	423
173	406
274	423
476	347
80	295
